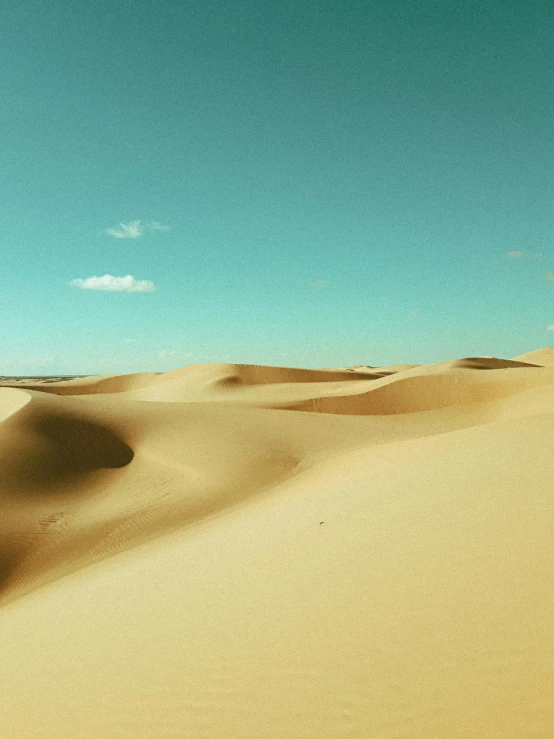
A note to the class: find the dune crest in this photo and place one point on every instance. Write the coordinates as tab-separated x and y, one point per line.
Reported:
246	551
543	357
12	401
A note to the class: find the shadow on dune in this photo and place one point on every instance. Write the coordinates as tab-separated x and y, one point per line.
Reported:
81	445
9	561
55	450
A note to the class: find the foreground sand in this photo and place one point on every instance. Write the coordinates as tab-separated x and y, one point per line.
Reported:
239	552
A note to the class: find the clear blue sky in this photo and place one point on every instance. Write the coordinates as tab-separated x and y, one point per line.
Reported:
300	182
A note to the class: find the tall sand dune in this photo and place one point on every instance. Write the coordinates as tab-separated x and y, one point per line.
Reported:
232	551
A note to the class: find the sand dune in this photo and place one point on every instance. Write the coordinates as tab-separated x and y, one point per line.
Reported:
242	551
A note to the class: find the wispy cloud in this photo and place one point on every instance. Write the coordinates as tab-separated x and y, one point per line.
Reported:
130	230
135	229
551	327
415	312
157	226
126	284
550	276
523	254
320	284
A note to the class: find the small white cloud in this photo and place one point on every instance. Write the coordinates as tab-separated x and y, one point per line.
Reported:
131	230
415	312
320	284
514	254
157	226
550	276
131	341
551	327
126	284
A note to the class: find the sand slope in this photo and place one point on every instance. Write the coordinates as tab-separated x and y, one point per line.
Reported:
237	551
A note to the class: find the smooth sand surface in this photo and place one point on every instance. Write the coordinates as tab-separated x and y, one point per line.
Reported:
241	552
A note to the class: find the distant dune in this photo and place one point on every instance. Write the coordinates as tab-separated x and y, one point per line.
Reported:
244	552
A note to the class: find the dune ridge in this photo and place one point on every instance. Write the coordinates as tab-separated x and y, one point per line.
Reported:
373	543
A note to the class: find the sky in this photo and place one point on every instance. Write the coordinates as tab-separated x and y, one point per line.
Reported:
314	183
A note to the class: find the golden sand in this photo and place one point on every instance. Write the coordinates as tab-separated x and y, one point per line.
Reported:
243	552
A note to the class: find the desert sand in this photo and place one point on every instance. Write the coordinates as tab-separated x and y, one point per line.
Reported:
243	552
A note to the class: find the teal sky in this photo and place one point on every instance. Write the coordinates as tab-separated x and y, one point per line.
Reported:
297	182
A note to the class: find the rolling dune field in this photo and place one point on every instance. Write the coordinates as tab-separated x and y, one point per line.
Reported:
245	552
